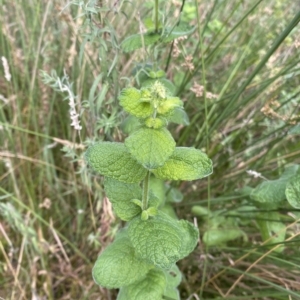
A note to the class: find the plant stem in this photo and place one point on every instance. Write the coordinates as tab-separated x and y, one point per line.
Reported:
145	191
156	15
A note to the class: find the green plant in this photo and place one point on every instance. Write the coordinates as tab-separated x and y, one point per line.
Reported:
143	256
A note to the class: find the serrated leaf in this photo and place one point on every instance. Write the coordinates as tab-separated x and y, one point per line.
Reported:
136	41
121	195
292	191
118	265
185	164
113	160
161	240
150	147
179	116
131	100
152	287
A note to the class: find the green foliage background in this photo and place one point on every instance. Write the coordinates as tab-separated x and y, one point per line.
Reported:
240	87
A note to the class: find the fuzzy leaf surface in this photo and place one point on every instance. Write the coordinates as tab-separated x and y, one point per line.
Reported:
293	191
151	287
120	195
150	147
185	164
113	160
118	265
161	239
130	100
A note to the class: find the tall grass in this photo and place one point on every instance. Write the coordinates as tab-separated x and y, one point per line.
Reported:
238	74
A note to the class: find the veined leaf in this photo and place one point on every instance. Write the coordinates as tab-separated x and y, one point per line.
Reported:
151	287
293	191
185	164
130	124
131	100
120	195
161	239
113	160
150	147
118	265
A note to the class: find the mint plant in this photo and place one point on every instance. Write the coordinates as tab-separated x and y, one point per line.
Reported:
141	261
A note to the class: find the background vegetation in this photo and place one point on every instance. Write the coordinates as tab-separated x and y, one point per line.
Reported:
240	85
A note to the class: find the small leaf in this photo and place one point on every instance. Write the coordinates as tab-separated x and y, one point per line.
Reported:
271	228
150	147
152	211
185	164
179	116
130	124
151	287
118	266
169	86
173	195
295	130
171	293
293	191
169	210
113	160
217	237
155	123
173	276
136	41
145	215
172	33
122	196
162	240
131	100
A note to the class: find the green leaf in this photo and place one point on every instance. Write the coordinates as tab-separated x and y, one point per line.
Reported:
295	130
171	293
270	192
169	210
130	124
151	287
173	276
113	160
217	237
118	265
292	192
271	228
150	147
172	33
162	240
121	195
131	100
179	116
169	86
185	164
190	237
157	187
136	41
173	195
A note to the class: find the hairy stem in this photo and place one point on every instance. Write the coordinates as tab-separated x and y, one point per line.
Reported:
145	191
